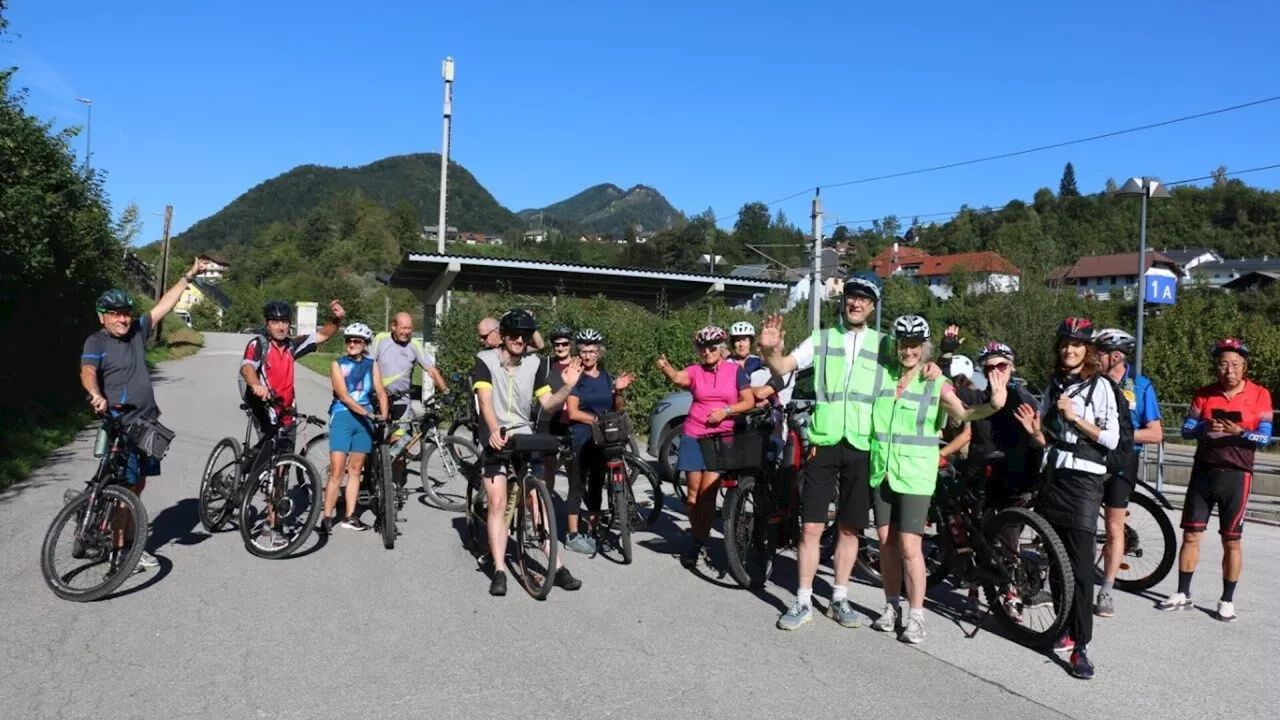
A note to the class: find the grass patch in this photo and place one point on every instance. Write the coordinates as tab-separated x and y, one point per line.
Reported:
318	362
180	341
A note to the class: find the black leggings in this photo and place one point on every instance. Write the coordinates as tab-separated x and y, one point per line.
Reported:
586	472
1081	548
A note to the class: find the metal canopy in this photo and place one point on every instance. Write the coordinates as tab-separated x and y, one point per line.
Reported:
431	275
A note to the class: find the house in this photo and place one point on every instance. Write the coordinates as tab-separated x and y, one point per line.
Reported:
534	236
754	272
429	232
593	237
200	291
1218	274
1101	275
473	238
1256	280
1190	258
644	237
215	267
987	271
833	273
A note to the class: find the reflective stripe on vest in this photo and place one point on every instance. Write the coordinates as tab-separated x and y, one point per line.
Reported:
843	411
905	448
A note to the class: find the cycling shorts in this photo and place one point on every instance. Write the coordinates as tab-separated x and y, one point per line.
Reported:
1226	489
840	472
906	513
349	434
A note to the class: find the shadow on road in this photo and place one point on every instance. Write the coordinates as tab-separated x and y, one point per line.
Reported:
152	577
176	524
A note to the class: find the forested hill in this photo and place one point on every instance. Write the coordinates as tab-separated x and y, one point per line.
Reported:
608	209
291	197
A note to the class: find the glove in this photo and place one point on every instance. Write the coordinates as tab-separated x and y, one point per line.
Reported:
950	344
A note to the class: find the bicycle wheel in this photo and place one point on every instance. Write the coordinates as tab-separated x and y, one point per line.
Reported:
292	496
387	501
1037	565
536	536
668	451
932	545
218	484
317	451
1146	530
623	502
477	538
446	471
96	544
646	492
750	539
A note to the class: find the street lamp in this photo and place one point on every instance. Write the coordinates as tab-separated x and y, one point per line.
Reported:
88	135
711	259
1144	188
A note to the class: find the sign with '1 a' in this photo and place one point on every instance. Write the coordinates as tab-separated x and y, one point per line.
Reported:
1161	287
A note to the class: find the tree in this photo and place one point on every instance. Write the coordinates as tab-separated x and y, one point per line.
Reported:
406	227
630	236
128	226
752	225
841	234
1067	186
1220	176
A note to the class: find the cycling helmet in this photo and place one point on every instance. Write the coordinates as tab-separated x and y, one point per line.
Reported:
742	328
562	332
864	283
911	327
359	330
961	366
517	321
1076	328
277	310
588	336
710	335
114	299
995	349
1235	345
1113	340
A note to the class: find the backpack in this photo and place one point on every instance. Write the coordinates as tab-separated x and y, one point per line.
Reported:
1121	458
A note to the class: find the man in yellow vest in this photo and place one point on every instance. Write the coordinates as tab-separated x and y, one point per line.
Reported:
849	371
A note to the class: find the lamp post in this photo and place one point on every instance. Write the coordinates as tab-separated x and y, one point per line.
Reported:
711	259
88	134
1143	188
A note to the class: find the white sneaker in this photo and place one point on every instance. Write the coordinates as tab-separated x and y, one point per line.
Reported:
1226	611
1176	601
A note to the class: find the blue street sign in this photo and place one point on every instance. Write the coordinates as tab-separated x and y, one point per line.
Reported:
1162	288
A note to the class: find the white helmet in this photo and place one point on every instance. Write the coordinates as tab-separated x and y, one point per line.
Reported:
742	328
961	366
911	327
359	330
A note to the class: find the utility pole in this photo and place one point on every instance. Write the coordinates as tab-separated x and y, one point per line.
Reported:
446	72
88	136
815	282
164	262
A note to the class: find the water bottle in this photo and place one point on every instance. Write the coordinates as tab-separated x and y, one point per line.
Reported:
100	443
400	444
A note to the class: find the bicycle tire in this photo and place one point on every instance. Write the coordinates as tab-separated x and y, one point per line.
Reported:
637	465
318	447
477	510
666	468
438	500
623	511
69	512
1058	559
308	524
1169	540
751	578
535	486
213	522
388	499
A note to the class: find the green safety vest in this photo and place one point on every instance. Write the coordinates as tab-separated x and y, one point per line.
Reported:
904	446
840	412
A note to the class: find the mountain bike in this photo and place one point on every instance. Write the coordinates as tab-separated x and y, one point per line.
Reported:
291	490
529	513
1147	529
108	522
626	511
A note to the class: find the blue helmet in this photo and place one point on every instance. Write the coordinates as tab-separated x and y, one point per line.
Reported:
864	283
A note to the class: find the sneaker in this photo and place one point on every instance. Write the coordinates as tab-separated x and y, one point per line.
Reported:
565	580
353	523
580	543
795	616
1041	599
148	560
1226	611
498	585
326	526
1064	644
1080	665
842	612
888	620
914	632
1176	601
690	557
1106	605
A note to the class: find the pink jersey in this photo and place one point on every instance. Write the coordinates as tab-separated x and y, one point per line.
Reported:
713	388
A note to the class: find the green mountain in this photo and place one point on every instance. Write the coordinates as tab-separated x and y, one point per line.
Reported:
608	209
292	196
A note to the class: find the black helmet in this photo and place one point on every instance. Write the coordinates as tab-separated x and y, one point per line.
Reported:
114	299
1076	328
562	332
277	310
517	321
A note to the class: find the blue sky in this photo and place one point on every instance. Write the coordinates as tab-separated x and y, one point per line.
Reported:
713	103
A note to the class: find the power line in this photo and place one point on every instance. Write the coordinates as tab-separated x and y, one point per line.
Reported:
1003	156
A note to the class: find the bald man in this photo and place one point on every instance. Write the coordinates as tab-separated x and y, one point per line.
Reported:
396	353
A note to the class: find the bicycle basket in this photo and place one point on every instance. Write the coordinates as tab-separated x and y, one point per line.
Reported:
611	428
739	451
150	437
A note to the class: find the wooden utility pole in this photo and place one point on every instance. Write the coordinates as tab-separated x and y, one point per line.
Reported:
164	263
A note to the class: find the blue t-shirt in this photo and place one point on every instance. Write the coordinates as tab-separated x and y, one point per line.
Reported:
1141	394
359	377
595	396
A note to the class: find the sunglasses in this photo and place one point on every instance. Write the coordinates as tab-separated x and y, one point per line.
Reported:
996	366
512	338
561	343
355	340
705	348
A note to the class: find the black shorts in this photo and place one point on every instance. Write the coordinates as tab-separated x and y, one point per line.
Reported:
1118	487
492	464
838	471
1227	489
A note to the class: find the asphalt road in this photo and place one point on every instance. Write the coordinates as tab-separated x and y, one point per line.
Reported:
353	630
